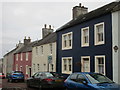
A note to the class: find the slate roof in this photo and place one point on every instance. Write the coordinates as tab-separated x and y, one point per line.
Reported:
114	6
26	48
47	39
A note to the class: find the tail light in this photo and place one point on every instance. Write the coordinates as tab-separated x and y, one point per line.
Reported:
48	80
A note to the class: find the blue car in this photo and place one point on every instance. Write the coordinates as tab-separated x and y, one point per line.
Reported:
89	81
15	76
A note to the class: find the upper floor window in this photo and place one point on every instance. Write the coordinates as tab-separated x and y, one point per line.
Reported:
99	34
36	50
17	57
26	56
100	64
67	65
50	48
67	41
85	36
41	49
21	56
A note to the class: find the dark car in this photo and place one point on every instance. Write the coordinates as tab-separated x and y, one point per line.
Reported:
91	81
45	80
15	76
2	75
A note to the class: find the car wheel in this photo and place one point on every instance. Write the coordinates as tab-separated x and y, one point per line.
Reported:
40	87
10	80
65	88
28	85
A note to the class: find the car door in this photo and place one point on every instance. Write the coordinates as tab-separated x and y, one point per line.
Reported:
72	81
33	80
38	79
81	82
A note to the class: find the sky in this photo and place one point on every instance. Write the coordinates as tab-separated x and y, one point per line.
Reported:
20	18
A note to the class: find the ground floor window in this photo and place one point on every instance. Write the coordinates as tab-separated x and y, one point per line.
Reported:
67	65
85	63
100	64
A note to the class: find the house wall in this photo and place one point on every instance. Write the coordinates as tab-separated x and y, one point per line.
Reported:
22	63
1	65
42	59
116	42
5	65
77	51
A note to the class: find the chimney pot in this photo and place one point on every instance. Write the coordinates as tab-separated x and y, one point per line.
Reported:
80	4
25	37
49	26
28	37
45	25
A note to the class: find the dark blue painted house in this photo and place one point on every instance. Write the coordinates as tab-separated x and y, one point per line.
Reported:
85	44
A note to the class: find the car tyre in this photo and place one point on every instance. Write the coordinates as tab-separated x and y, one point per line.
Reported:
65	88
28	85
10	80
40	87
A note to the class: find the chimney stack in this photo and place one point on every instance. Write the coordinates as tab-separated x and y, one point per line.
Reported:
27	41
79	10
46	31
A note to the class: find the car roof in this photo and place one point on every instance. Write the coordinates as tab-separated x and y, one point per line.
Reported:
85	73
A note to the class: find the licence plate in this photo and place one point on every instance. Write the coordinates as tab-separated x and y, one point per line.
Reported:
58	80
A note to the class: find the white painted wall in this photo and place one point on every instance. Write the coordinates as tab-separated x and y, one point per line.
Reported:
42	60
116	42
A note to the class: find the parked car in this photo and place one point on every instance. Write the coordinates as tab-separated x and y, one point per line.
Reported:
60	75
89	80
15	76
45	80
2	75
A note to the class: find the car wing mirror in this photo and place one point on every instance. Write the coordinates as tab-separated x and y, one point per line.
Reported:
85	82
32	76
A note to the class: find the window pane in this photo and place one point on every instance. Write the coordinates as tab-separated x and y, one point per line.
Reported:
99	32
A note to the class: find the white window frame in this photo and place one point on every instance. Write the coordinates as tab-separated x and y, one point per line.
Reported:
16	57
96	63
34	68
67	71
51	48
36	50
27	56
82	37
16	67
82	57
95	34
20	68
42	49
38	67
21	56
67	41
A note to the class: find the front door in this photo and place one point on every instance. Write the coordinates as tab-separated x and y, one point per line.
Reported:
85	64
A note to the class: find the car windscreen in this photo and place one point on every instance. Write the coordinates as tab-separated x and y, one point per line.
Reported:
49	75
98	78
18	72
